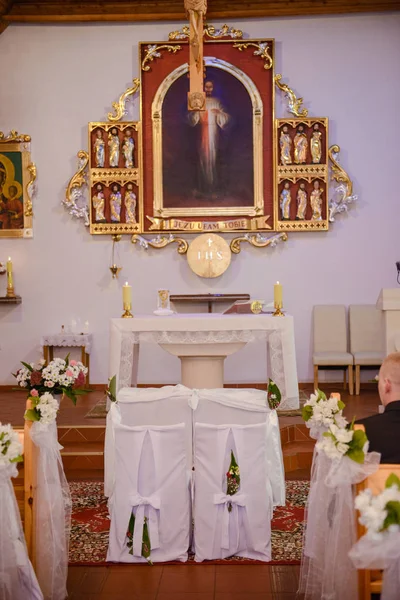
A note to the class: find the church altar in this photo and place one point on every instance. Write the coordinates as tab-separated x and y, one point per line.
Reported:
202	342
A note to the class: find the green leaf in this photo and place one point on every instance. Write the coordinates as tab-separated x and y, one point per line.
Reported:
357	455
79	392
393	514
306	412
112	388
359	439
17	459
341	405
321	395
27	365
67	359
392	480
70	394
32	415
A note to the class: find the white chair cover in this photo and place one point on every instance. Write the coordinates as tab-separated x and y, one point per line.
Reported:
53	513
246	530
326	573
149	406
384	554
17	577
246	407
151	482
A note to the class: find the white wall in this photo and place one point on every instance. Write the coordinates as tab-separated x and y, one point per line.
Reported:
54	79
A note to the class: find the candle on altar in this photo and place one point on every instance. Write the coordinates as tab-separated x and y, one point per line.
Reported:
335	395
278	295
127	296
9	273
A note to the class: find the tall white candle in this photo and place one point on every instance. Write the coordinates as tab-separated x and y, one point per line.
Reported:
278	295
127	296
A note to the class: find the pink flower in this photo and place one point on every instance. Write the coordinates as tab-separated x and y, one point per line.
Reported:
73	363
49	383
34	392
69	373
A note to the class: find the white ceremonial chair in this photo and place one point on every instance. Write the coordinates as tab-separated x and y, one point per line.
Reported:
246	407
366	338
147	406
151	484
330	342
245	530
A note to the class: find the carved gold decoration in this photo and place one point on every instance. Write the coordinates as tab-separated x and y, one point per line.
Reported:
209	31
294	103
160	241
257	240
262	50
344	190
153	51
209	255
74	189
119	107
196	100
14	136
258	115
256	307
303	225
30	184
307	172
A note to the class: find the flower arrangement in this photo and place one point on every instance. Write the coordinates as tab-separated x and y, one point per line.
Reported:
319	411
146	546
274	395
60	376
381	513
232	479
111	390
44	408
344	441
10	446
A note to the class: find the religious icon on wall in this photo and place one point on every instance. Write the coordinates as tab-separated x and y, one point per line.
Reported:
302	174
115	177
17	175
209	169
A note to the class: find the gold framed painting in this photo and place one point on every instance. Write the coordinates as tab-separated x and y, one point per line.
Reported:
17	176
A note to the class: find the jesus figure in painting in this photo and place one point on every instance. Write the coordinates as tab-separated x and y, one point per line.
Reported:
211	121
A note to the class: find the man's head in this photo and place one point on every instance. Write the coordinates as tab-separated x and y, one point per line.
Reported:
389	379
208	88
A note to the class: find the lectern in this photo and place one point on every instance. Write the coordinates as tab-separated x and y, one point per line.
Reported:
389	303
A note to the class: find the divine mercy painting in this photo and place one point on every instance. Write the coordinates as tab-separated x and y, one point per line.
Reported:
207	156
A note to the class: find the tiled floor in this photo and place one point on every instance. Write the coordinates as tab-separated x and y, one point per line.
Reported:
201	582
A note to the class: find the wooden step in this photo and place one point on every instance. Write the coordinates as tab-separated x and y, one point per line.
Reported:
298	455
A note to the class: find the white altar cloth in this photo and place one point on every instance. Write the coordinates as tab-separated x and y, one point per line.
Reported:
278	332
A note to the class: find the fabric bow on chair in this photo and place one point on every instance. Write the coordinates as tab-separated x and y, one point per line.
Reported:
153	502
236	501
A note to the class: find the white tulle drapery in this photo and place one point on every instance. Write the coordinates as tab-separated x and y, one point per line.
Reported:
326	571
53	513
17	577
384	553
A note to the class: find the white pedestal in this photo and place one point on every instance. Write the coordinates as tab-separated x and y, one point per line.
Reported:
202	365
389	303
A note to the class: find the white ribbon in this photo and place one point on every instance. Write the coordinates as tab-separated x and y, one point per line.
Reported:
236	501
153	503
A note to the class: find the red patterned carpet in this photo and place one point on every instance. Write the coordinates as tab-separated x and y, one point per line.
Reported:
90	526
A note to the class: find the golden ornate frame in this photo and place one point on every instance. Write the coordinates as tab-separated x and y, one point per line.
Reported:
15	142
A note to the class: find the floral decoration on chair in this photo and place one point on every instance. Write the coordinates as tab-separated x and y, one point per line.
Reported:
111	389
44	408
380	513
10	446
146	545
232	479
60	376
320	412
274	395
344	441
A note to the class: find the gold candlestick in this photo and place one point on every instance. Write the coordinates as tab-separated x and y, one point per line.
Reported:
278	303
127	312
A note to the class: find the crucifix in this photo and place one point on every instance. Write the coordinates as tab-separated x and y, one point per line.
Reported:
196	11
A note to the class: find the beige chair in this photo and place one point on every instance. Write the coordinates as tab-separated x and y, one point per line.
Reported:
366	337
330	342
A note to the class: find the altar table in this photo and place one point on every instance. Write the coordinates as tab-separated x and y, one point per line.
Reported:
202	342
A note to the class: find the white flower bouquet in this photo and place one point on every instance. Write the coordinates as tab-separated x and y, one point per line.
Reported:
10	446
60	376
338	442
320	412
379	548
44	409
